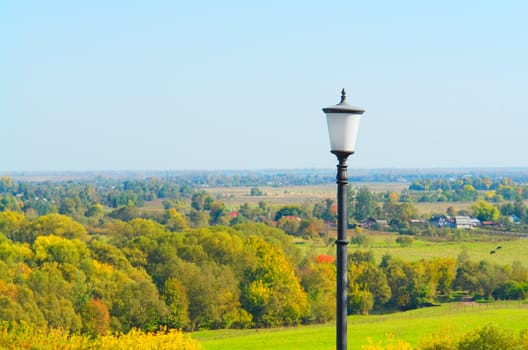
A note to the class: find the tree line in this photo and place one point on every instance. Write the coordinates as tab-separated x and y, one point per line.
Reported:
139	274
394	284
89	265
466	189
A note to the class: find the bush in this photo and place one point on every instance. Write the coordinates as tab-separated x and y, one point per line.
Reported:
24	336
361	240
390	344
511	290
441	340
489	337
405	241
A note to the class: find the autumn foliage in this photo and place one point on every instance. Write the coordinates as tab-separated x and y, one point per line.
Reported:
22	336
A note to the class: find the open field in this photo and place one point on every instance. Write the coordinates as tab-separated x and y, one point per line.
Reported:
429	209
511	251
457	318
235	196
381	243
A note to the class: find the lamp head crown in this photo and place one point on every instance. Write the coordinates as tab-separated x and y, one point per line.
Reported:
343	107
343	96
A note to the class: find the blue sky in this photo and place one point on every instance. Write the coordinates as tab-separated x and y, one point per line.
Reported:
156	85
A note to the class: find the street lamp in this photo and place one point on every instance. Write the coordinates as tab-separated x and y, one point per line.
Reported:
343	124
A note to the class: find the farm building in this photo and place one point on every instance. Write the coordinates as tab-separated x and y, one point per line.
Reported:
466	222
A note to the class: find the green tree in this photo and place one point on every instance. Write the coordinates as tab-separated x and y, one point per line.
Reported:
95	211
255	191
109	254
365	205
138	305
442	272
511	290
201	201
468	193
485	211
326	210
289	225
368	285
409	283
10	310
213	294
11	223
311	228
96	318
175	221
480	279
6	184
224	248
125	213
404	241
53	248
219	215
318	278
53	297
272	292
360	301
175	296
9	202
72	206
53	224
489	337
198	218
289	210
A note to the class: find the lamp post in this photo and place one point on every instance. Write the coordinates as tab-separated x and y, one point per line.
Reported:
343	124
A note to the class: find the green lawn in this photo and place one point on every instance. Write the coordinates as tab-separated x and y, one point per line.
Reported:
384	243
511	250
409	326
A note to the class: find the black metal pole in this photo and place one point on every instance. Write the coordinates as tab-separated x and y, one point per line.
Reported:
341	247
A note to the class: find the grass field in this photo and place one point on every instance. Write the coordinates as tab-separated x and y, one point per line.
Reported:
429	209
235	196
381	243
511	249
457	318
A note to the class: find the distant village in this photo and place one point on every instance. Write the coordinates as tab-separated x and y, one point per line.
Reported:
440	221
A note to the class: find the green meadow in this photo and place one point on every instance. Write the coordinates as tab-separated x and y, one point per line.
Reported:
411	326
477	246
510	250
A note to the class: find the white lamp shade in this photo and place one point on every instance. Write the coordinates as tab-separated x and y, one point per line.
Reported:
342	130
343	125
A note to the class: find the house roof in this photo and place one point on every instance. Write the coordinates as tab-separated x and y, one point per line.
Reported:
463	220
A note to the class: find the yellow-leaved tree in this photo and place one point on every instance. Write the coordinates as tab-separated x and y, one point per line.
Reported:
273	293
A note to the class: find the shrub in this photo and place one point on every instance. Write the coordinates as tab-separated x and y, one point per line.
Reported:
361	240
23	336
441	340
489	337
512	290
136	339
405	241
390	344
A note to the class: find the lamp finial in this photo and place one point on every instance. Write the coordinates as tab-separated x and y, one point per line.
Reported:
343	96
